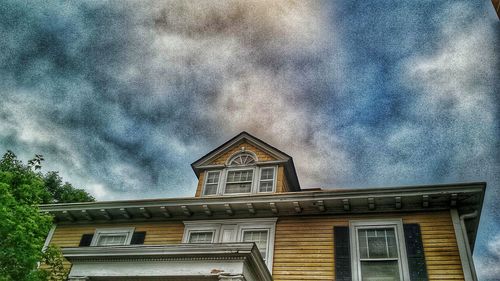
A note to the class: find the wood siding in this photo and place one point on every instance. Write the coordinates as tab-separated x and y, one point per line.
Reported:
303	247
261	155
157	233
199	187
281	181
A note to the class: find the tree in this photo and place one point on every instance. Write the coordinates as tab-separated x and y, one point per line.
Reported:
23	227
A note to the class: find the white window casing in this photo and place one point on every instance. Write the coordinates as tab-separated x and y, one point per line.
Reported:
238	230
385	236
212	182
267	179
238	180
263	180
112	236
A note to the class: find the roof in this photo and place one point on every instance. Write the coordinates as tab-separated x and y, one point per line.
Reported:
289	167
465	197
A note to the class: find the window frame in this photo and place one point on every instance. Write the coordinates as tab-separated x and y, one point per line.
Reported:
242	228
397	225
206	179
201	231
100	232
238	226
255	186
240	168
275	174
214	228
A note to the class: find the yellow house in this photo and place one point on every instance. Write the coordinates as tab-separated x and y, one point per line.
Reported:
250	220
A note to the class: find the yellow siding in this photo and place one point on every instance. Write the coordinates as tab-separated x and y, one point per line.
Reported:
261	155
200	184
281	182
303	247
157	233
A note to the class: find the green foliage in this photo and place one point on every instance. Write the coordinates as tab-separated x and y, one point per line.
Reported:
22	227
64	192
53	261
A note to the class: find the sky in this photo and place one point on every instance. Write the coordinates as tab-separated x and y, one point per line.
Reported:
121	96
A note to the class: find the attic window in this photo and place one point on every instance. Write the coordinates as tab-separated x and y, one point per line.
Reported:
242	159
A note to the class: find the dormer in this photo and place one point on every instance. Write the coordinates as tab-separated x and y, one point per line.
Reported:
245	165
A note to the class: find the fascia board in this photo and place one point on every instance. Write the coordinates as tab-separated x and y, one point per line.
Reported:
268	198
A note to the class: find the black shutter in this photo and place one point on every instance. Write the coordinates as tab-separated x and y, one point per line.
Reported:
415	252
138	238
86	240
342	253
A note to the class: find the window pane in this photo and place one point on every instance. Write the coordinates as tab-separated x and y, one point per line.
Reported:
210	189
111	240
377	243
267	174
213	177
259	238
379	271
244	159
239	181
238	187
201	237
266	186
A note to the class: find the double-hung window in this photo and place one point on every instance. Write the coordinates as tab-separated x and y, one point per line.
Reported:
378	252
260	238
266	183
112	237
212	183
239	181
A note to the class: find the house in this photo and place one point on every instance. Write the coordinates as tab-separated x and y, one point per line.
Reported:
250	220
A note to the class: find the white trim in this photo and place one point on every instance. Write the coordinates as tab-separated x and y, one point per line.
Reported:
176	261
239	168
49	238
238	226
251	153
251	140
275	174
99	232
254	187
397	224
212	227
205	183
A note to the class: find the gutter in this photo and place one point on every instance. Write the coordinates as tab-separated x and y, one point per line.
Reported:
464	217
464	249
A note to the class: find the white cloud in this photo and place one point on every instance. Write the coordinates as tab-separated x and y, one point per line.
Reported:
488	264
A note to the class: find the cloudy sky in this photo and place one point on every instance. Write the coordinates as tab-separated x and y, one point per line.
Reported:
121	97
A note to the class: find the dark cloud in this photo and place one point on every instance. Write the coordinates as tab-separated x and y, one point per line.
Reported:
121	96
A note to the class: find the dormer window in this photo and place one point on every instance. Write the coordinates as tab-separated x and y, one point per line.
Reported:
239	181
243	175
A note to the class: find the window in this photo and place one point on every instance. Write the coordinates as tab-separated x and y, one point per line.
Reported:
260	238
242	159
266	183
112	237
201	237
211	183
239	181
258	231
378	251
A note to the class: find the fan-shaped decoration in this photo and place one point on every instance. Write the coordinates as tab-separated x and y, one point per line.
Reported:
242	159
